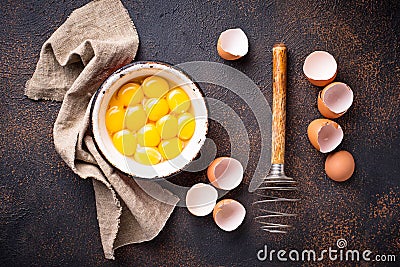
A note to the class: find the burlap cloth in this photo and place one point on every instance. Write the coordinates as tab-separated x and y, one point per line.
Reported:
93	42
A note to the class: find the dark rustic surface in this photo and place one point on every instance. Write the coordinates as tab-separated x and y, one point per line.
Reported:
47	214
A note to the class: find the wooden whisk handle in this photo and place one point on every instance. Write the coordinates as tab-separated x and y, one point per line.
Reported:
279	62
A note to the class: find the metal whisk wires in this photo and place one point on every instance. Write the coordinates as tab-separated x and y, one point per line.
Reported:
275	181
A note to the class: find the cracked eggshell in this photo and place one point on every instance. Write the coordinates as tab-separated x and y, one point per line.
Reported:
225	173
325	111
232	44
201	199
320	68
325	135
334	100
229	214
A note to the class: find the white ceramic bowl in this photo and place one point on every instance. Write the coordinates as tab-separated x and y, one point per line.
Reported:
103	141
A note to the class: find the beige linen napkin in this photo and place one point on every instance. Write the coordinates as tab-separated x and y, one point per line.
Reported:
93	42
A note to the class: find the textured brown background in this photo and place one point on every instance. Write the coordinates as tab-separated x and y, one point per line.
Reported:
47	214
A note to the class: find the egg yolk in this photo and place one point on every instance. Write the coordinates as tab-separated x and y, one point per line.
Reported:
156	108
147	155
115	119
186	126
135	118
178	101
148	135
170	148
114	102
149	122
155	87
130	94
125	142
167	126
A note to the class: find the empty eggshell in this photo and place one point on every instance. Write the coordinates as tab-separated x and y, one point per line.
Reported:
325	135
232	44
339	166
229	214
225	173
320	68
325	111
334	100
201	199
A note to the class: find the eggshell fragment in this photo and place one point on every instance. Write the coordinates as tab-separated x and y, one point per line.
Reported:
232	44
320	68
325	135
229	214
201	199
325	111
339	166
225	173
334	100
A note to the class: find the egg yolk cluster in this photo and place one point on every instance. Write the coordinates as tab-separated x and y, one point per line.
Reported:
149	121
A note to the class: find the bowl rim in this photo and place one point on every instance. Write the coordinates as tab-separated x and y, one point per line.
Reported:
119	72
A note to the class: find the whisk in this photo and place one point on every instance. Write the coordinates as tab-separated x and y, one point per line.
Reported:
277	180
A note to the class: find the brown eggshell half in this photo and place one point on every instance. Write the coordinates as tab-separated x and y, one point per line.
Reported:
232	44
325	135
225	173
339	166
325	111
229	214
225	55
322	83
320	68
335	99
201	199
